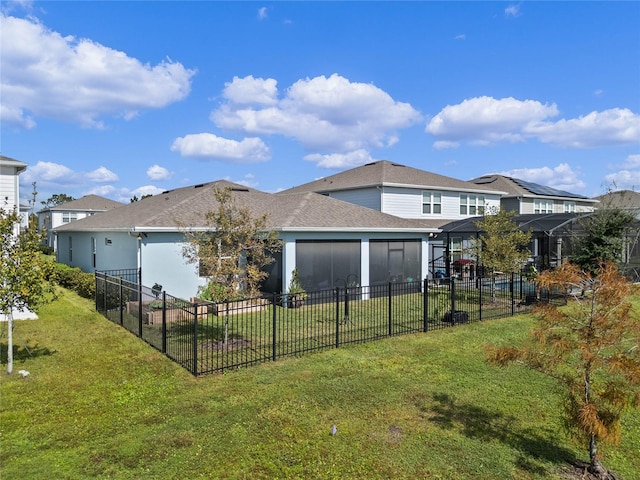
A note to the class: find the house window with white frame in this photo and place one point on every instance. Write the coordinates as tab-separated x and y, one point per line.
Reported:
569	206
69	217
471	204
542	206
431	203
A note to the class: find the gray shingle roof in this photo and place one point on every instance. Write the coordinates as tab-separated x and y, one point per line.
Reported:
518	187
185	207
88	203
385	173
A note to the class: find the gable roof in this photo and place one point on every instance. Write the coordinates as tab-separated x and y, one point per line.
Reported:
385	173
88	203
516	187
626	199
11	162
185	208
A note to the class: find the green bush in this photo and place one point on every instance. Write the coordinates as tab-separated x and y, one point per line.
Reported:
45	249
75	279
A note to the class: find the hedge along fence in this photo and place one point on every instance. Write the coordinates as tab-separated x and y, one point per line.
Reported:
206	337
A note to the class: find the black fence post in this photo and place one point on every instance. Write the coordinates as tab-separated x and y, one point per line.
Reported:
337	294
453	299
425	304
121	303
346	305
97	290
513	303
480	280
164	322
389	310
274	330
195	341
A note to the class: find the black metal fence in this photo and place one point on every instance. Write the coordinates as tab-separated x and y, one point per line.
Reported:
205	337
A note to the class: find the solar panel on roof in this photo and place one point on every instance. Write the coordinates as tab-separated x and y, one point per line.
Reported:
544	190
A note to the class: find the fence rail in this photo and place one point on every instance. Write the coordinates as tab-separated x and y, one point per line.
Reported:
206	337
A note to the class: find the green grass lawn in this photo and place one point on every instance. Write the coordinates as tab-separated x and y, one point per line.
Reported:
99	403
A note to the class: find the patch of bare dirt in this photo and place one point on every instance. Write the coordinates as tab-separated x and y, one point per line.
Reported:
580	471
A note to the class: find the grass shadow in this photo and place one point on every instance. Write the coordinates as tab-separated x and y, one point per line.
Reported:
484	424
23	352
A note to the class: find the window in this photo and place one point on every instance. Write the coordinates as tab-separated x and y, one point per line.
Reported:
70	249
569	207
471	204
69	217
542	206
431	203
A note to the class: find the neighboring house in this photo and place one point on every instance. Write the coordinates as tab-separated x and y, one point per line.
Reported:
10	169
406	192
624	199
527	197
329	242
52	217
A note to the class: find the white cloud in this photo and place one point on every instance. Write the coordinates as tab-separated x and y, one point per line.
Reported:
262	13
156	172
486	120
330	114
616	126
48	172
512	11
341	160
210	146
461	36
628	175
102	175
46	74
247	181
248	90
562	177
624	179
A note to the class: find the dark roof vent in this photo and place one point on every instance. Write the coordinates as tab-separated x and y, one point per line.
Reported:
239	189
200	185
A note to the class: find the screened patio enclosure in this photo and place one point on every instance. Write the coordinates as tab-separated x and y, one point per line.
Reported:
325	264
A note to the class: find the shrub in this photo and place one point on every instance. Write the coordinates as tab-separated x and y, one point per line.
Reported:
75	279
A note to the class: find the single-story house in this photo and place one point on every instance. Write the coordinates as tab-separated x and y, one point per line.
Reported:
330	242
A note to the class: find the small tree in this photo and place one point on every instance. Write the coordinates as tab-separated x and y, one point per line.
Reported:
233	250
603	238
501	246
591	347
24	273
57	199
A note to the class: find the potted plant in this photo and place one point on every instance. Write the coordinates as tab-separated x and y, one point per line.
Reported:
296	294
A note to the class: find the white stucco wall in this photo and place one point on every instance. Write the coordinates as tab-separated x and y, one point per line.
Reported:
163	263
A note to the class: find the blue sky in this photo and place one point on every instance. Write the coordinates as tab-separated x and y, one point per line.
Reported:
131	98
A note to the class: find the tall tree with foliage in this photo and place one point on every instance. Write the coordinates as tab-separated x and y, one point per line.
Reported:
57	199
603	237
24	273
233	250
591	347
